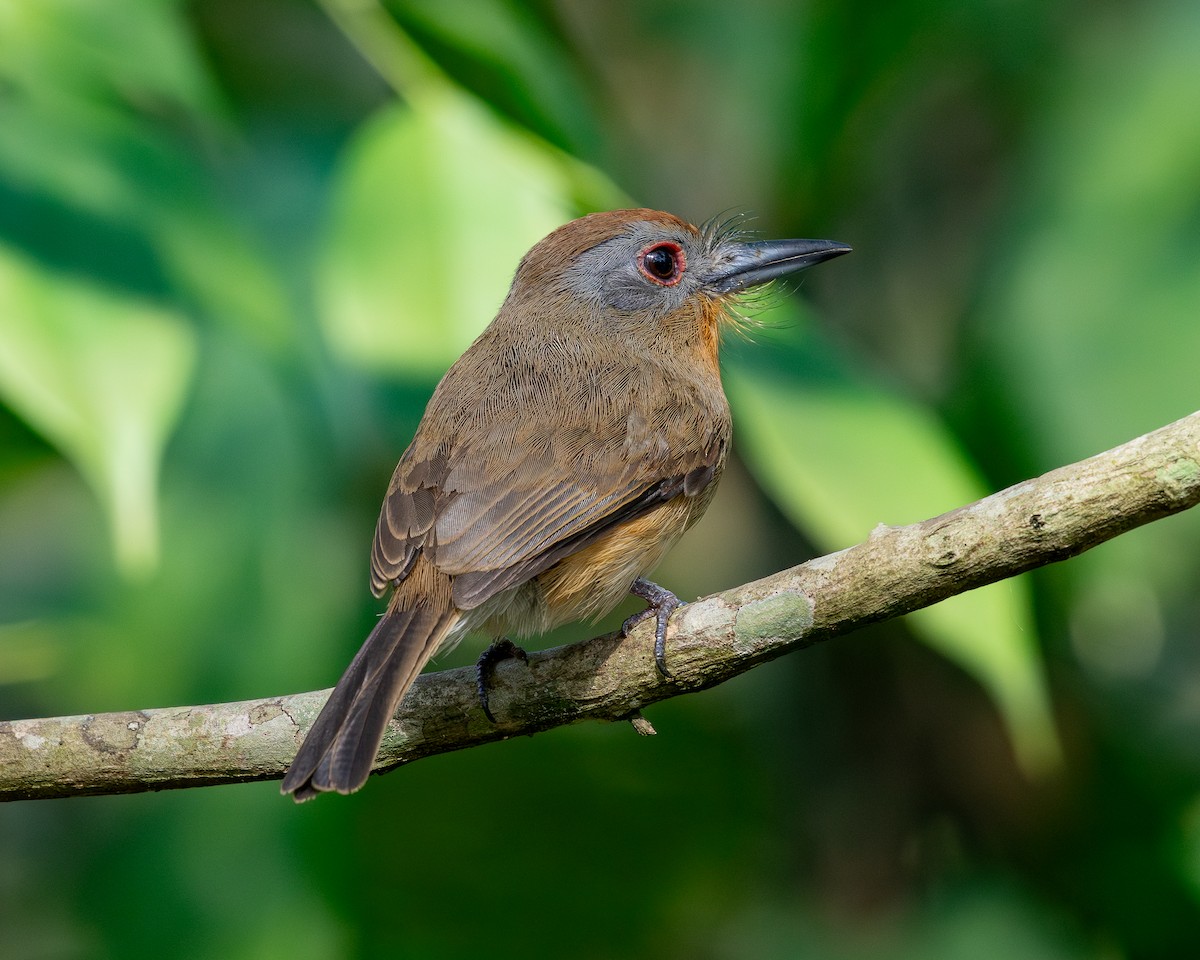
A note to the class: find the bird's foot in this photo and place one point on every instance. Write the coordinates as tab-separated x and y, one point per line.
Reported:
662	604
485	668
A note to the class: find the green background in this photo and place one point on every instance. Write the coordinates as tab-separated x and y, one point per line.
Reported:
239	243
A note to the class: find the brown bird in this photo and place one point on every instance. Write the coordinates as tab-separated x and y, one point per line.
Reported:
557	462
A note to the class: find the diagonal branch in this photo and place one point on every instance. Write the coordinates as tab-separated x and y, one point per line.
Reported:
896	570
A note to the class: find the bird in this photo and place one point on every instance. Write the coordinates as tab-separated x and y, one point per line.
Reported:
558	460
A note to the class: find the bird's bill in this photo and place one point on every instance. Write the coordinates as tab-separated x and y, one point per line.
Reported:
757	261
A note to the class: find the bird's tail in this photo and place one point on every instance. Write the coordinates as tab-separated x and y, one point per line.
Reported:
341	746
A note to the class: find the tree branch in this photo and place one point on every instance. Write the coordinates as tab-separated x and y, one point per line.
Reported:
896	570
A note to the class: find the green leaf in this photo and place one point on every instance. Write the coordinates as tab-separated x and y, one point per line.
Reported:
121	54
506	54
102	377
1093	298
435	206
839	459
1090	310
106	134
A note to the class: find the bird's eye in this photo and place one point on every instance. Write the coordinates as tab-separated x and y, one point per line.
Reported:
662	263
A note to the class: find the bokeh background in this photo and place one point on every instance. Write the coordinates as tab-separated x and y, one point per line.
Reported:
240	241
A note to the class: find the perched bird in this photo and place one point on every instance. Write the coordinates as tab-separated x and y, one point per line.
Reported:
557	462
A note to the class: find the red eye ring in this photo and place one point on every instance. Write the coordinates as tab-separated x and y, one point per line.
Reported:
662	263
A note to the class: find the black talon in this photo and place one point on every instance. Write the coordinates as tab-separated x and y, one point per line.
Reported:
662	604
485	668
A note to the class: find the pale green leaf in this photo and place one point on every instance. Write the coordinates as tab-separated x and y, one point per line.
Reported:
88	90
123	54
434	208
102	377
840	459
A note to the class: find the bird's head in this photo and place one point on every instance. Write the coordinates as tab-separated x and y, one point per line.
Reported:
643	268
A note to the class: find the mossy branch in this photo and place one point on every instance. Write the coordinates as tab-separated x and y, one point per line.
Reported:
896	570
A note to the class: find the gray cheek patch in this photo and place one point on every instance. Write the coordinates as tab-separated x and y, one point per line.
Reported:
607	275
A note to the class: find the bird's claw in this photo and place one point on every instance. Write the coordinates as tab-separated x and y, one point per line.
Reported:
662	603
485	668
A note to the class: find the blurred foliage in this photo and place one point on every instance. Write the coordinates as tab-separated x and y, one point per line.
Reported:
240	242
837	480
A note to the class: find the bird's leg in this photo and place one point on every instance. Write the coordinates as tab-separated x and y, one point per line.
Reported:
662	604
485	668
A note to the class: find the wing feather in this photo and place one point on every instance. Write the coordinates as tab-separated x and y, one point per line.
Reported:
493	498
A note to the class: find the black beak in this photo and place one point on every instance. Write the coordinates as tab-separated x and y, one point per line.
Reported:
755	262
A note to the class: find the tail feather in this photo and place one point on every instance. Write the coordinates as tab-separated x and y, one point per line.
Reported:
340	748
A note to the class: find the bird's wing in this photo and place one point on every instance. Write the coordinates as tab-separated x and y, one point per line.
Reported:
503	501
